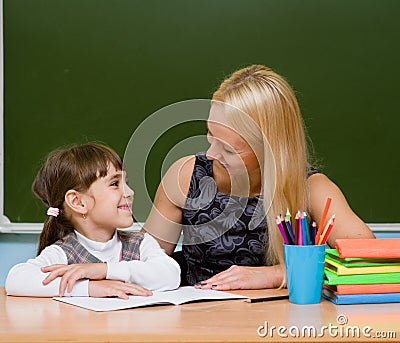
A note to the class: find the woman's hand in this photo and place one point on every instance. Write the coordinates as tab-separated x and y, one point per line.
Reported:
243	277
114	288
73	272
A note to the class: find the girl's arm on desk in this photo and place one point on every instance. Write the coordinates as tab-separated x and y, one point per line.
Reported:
25	279
155	271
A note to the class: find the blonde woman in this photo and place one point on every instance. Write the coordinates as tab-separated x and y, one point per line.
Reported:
225	201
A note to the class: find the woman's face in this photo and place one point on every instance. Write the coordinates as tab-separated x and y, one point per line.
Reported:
228	147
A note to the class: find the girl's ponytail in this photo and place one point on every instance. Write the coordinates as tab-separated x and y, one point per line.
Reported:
54	229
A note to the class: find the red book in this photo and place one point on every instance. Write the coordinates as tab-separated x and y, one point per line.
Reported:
365	289
368	247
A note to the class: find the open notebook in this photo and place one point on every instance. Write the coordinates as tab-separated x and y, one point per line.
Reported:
176	297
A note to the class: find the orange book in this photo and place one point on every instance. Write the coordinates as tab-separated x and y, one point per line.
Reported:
365	289
368	247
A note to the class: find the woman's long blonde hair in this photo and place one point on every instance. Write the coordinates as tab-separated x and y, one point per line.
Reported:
271	103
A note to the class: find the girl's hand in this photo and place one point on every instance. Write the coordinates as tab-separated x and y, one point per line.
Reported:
243	277
114	288
71	273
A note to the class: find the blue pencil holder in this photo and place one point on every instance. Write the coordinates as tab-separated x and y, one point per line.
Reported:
304	272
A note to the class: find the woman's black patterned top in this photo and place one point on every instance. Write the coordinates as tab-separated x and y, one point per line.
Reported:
220	230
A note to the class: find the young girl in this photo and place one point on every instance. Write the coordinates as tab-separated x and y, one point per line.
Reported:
81	253
226	199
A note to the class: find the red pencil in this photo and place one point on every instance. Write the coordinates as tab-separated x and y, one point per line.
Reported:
322	222
325	234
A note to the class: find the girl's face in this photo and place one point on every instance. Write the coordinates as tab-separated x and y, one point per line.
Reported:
109	201
228	147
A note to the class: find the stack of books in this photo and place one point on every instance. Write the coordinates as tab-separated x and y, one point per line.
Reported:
363	271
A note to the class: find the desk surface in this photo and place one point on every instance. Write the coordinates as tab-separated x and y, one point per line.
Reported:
24	319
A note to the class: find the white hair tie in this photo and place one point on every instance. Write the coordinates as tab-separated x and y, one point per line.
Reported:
53	211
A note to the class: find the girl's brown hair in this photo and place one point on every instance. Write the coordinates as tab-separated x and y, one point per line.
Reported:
75	168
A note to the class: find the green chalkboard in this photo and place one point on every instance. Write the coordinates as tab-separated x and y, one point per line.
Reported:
81	70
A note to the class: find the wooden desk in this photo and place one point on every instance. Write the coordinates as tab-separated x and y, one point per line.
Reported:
24	319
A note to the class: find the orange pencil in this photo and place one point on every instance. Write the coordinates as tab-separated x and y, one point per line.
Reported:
325	234
321	224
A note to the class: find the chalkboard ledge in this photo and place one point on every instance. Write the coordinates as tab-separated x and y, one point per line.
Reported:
36	228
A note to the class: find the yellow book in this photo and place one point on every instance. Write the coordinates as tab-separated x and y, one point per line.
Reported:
342	270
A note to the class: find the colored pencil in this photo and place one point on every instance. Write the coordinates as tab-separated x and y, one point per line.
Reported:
257	300
313	230
306	229
282	230
296	227
327	230
299	232
290	229
287	230
322	222
287	215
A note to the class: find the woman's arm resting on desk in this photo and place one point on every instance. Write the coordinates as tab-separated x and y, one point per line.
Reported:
347	223
243	277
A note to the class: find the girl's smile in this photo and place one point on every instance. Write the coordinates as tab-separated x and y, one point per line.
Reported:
126	207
